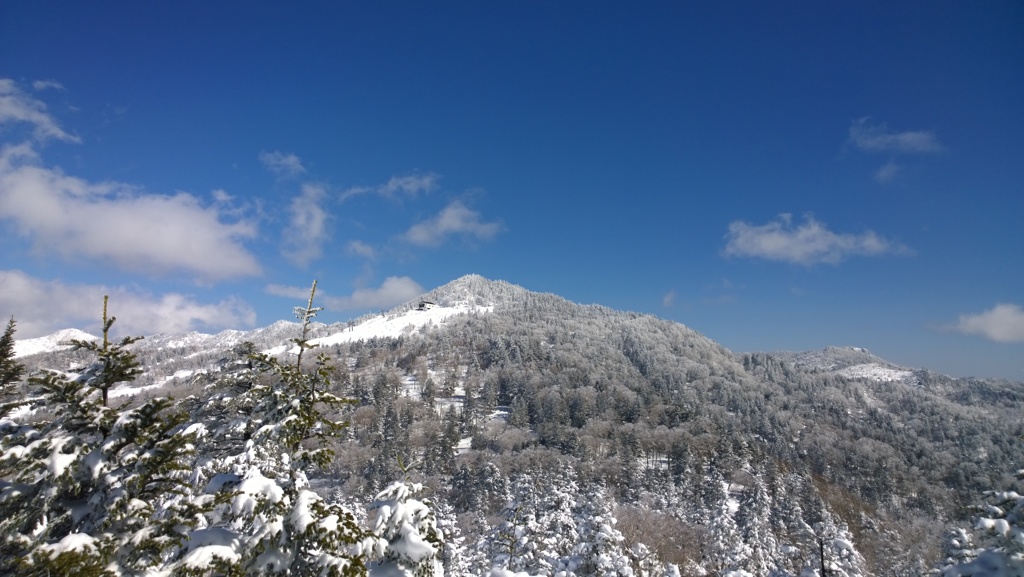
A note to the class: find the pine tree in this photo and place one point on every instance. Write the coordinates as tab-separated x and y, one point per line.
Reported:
557	522
728	550
408	541
114	362
305	315
263	517
11	371
93	491
513	544
600	548
755	524
999	535
455	556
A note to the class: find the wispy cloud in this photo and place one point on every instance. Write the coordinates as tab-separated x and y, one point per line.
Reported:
360	248
42	307
120	224
454	219
393	291
409	185
47	85
292	292
1003	323
669	299
16	106
221	196
281	164
808	244
307	227
887	172
876	137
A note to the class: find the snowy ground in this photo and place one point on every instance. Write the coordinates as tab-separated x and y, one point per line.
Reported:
390	326
877	373
130	391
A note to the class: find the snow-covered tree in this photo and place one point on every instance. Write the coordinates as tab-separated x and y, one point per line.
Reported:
92	490
999	534
600	549
728	552
456	557
754	522
513	544
406	541
264	518
11	371
113	364
836	550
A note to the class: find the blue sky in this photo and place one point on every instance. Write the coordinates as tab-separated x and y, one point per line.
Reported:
777	176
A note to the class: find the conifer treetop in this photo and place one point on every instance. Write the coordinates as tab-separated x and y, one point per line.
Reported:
305	315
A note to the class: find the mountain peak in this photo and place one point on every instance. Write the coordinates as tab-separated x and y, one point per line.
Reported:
472	290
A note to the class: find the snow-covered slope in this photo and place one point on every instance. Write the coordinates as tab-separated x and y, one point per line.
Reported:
879	373
50	343
852	363
391	325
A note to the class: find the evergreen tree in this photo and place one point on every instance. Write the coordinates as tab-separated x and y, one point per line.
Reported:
558	524
264	519
999	533
11	371
455	556
408	541
600	548
755	524
95	490
513	544
114	363
728	551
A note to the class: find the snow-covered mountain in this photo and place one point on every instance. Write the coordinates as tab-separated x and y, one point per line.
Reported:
511	382
50	343
471	294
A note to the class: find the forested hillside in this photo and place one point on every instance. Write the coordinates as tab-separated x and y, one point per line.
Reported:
527	433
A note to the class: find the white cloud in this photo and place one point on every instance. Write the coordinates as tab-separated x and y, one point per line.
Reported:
291	292
410	185
221	196
18	107
887	172
360	248
43	307
1003	323
808	244
393	291
877	138
307	228
282	164
456	218
118	224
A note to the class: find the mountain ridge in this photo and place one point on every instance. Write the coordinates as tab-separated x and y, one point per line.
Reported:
475	292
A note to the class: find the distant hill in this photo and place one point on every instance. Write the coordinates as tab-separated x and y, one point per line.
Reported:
50	343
